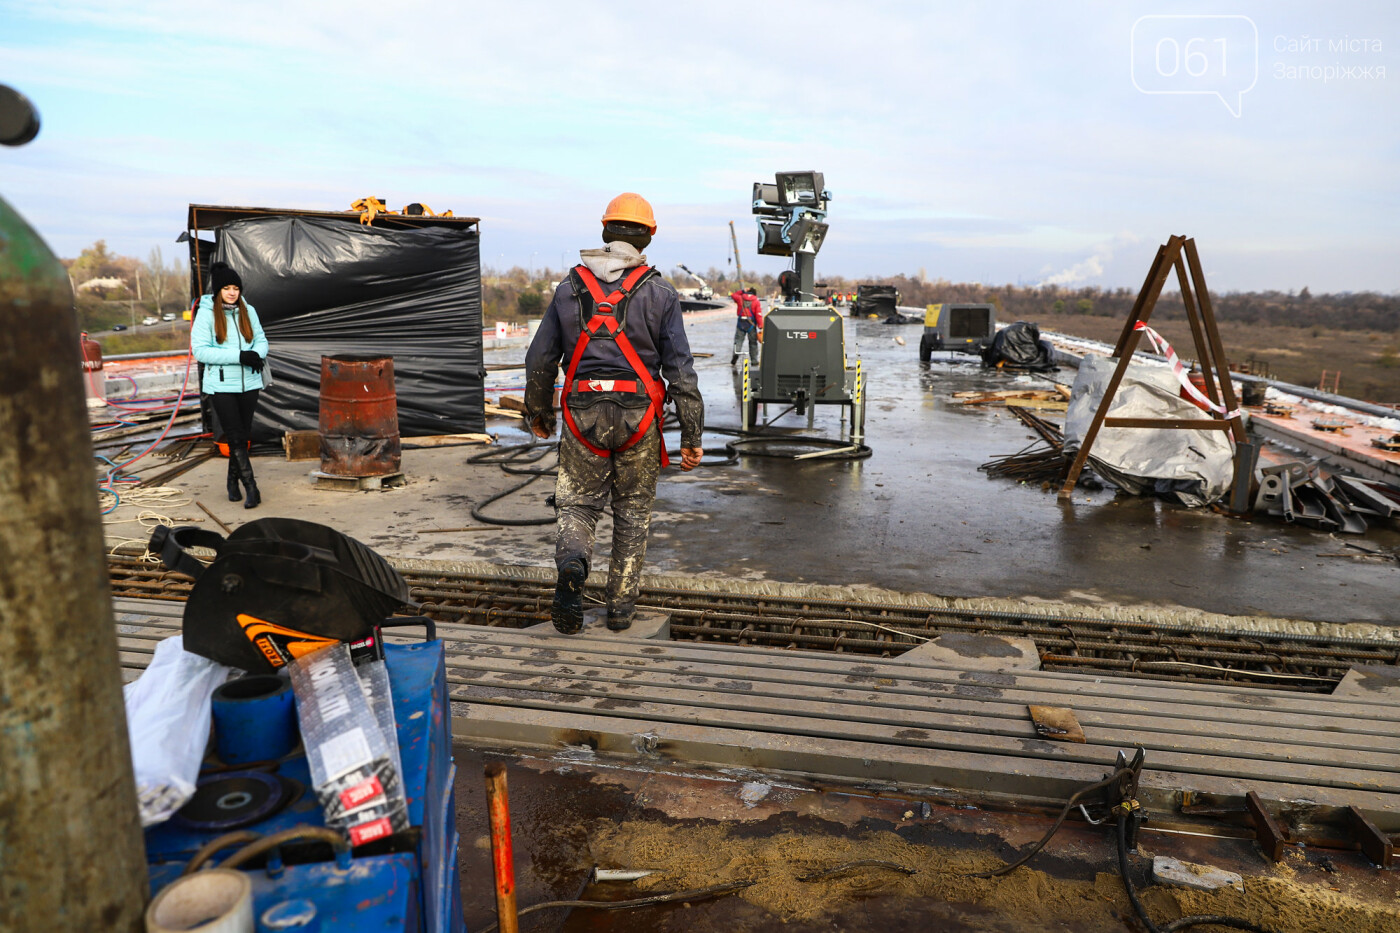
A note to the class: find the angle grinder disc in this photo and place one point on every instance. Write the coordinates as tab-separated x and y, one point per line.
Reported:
229	801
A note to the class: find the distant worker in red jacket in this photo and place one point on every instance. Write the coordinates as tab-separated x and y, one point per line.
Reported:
749	323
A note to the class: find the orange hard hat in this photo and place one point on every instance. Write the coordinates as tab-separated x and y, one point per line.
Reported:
632	208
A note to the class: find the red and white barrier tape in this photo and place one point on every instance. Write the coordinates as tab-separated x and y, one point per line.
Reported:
1160	344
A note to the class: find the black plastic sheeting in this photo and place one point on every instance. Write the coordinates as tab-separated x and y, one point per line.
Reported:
875	299
1019	345
328	287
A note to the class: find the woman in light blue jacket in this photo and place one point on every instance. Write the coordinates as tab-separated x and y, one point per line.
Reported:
228	339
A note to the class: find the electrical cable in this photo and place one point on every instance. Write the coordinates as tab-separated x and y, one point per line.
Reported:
214	846
510	458
841	450
252	850
742	438
507	458
715	890
107	484
1059	821
1236	923
859	863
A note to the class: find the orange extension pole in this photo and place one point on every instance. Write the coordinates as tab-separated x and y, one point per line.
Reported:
502	859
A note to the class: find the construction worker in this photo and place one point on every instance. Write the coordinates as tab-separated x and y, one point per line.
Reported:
749	319
616	324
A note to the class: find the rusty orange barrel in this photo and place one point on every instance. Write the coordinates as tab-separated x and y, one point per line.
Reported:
359	416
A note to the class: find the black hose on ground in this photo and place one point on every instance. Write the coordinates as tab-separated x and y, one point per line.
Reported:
508	459
516	459
744	438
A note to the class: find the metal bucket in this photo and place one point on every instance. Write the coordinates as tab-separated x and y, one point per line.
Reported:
359	424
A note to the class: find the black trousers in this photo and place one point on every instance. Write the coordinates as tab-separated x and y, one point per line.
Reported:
235	414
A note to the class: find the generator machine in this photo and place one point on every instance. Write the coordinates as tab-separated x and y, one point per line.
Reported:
966	328
803	360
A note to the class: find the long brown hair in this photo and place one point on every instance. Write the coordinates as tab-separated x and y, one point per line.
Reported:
245	326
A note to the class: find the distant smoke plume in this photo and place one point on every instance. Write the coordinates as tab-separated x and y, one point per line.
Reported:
1092	267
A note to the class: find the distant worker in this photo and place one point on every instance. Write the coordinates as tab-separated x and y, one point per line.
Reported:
228	339
618	325
748	323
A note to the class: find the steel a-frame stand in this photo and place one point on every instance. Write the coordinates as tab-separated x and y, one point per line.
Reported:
1209	353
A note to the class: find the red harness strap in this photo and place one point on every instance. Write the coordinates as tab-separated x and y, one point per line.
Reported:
604	306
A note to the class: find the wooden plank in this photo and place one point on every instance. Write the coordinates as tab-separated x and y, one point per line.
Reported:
153	607
1127	694
302	445
941	679
1320	731
1309	741
1340	768
446	440
932	772
872	671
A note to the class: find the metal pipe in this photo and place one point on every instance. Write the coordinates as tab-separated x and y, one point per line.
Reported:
502	859
72	856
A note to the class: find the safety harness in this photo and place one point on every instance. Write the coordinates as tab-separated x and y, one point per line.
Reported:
605	322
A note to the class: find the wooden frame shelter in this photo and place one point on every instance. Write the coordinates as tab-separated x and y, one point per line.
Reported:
1178	252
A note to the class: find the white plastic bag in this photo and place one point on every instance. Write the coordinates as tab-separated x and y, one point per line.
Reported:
167	718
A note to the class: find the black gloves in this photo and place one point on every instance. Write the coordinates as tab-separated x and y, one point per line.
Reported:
251	359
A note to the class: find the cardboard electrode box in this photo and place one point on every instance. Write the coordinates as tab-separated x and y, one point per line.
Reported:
345	714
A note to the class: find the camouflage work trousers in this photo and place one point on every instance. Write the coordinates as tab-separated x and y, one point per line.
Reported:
587	483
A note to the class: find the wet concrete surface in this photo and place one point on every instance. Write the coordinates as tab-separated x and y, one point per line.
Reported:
917	516
570	812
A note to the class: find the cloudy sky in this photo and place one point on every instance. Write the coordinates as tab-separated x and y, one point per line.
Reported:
1015	141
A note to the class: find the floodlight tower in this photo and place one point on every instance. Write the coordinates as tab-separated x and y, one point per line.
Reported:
804	345
792	222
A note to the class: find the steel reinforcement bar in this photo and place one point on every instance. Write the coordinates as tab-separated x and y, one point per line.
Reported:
1067	643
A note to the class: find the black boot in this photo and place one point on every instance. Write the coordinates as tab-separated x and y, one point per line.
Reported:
734	359
567	612
620	617
245	472
234	493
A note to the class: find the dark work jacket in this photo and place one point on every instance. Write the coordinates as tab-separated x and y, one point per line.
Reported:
657	332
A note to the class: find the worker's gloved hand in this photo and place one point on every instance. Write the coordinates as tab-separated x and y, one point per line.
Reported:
690	457
542	426
251	359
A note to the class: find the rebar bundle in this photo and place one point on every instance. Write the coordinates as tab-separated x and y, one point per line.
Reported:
1143	650
1042	461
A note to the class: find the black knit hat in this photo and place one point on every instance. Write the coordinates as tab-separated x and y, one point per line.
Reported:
221	274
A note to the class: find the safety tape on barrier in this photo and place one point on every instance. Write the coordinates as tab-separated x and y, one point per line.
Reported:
1160	344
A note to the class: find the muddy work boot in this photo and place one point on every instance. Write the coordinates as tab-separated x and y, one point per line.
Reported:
620	618
234	493
734	359
567	611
